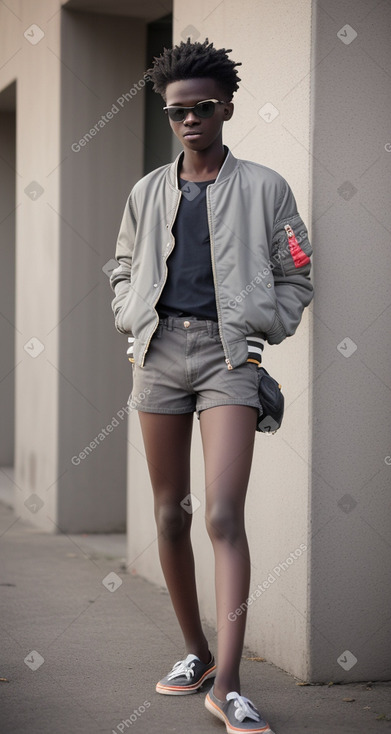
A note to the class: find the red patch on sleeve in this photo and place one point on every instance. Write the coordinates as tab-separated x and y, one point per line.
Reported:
298	255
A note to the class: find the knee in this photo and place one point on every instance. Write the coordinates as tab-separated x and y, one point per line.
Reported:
224	522
171	520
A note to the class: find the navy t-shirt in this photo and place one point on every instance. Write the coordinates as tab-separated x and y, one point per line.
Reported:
189	288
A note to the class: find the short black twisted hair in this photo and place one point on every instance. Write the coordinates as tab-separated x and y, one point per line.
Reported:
191	61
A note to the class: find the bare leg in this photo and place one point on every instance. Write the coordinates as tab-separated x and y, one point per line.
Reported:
167	440
228	439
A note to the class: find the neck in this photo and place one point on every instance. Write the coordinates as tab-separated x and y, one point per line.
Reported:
202	165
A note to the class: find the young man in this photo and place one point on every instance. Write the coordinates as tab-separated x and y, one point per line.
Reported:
214	260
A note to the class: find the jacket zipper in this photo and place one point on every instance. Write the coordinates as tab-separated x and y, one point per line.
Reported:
164	282
298	255
227	361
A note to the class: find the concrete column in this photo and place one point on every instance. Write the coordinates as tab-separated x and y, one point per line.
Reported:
75	72
7	276
275	72
33	39
103	63
350	593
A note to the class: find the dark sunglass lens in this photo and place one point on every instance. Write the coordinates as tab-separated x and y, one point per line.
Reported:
176	114
205	109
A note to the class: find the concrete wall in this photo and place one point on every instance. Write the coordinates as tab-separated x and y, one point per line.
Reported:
7	280
350	597
28	60
71	373
103	60
323	481
277	505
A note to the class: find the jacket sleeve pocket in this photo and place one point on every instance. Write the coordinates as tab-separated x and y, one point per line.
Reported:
291	251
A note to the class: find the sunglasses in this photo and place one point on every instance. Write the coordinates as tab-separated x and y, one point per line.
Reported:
202	109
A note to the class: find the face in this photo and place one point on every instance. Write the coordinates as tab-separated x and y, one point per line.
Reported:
196	133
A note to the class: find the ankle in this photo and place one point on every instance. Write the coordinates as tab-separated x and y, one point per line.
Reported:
201	651
220	690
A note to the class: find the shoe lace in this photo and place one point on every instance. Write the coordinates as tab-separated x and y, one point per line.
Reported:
182	668
244	707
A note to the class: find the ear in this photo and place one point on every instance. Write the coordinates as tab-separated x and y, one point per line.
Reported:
228	110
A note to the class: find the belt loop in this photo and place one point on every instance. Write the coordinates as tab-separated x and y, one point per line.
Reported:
167	322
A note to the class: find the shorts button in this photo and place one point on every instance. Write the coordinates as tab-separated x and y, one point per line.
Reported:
186	324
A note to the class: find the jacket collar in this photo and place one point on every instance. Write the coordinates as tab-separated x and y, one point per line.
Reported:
229	165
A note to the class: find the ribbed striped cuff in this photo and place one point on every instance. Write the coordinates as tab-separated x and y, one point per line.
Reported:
254	343
255	348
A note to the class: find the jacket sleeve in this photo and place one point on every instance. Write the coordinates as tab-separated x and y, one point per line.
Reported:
120	276
290	257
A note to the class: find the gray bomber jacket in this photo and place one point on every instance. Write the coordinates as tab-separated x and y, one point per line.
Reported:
259	248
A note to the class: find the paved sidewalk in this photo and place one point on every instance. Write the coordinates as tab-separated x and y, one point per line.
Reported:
102	650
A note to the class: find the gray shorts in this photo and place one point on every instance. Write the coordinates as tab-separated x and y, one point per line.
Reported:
185	371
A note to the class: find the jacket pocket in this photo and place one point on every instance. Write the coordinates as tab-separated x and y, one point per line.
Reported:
276	333
121	291
119	321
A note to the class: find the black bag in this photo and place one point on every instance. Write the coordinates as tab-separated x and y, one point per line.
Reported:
272	402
